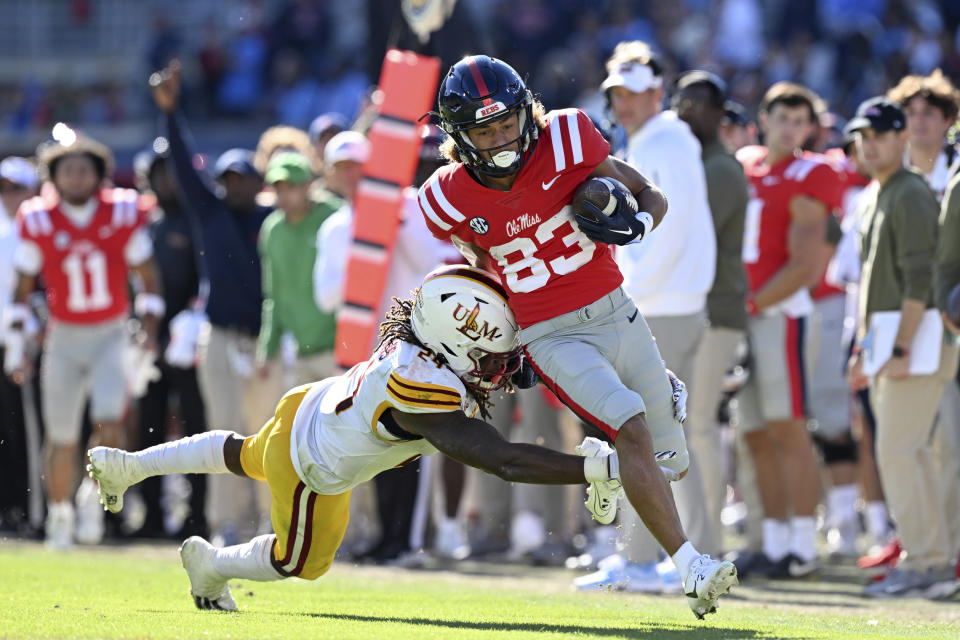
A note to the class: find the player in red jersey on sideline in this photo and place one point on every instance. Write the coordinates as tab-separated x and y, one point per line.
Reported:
505	201
85	241
791	195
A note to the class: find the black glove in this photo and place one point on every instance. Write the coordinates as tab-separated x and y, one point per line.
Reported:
524	377
622	227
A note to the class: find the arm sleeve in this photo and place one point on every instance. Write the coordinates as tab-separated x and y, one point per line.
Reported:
197	192
595	146
827	185
438	226
333	240
416	389
27	257
946	267
269	340
915	225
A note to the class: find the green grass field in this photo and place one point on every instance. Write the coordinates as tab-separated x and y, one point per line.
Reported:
141	592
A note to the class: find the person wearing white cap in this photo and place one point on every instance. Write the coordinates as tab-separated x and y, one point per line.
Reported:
343	160
18	182
668	278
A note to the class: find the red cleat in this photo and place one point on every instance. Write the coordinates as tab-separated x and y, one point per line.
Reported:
888	556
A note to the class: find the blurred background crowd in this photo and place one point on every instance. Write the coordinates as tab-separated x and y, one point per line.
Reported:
260	127
284	61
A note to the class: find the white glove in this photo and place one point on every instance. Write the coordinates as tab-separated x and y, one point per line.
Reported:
601	468
15	340
185	330
14	356
141	369
679	397
669	474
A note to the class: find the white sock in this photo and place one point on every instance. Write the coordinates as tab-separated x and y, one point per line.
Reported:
776	538
202	453
803	537
683	558
63	508
842	503
878	521
250	560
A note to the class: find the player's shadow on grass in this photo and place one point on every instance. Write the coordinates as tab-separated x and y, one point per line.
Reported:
644	630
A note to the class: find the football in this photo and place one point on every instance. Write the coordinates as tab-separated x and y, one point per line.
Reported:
599	191
953	305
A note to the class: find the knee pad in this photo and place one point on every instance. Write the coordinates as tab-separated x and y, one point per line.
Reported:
842	449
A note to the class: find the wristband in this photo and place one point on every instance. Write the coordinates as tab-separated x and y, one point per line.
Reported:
149	304
646	220
900	352
752	307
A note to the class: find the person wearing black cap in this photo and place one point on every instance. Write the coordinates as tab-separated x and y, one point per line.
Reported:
898	241
229	220
176	254
699	101
736	128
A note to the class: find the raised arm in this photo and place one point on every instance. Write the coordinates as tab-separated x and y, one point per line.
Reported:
198	193
477	444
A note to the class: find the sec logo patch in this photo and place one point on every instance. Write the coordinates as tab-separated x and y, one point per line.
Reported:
479	225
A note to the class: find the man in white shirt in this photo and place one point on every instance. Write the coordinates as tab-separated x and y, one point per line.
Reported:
668	276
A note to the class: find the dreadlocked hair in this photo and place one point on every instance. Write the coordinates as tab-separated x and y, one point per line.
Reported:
397	326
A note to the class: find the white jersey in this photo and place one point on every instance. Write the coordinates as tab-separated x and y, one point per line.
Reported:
343	433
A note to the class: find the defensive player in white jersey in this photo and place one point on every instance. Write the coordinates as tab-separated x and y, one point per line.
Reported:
439	357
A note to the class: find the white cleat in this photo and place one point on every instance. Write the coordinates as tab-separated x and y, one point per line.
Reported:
59	526
602	500
707	580
115	470
208	588
89	514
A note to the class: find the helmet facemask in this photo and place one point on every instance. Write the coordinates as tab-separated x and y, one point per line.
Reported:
501	163
491	371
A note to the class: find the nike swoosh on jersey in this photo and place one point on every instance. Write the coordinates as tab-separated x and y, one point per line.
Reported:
547	185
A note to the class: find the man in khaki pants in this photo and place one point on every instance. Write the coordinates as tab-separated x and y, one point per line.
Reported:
898	233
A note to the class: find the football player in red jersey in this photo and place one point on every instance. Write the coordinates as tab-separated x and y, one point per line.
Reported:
785	230
84	240
505	201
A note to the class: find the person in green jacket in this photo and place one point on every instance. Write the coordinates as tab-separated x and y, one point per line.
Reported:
288	250
898	231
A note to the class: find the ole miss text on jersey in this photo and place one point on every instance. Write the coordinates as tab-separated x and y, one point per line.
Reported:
548	266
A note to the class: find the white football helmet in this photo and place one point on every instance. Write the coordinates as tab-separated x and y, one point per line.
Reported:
461	314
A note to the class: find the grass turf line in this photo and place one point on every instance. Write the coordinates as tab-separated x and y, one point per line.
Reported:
141	592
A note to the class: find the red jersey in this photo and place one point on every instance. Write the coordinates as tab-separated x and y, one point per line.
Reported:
548	266
85	269
851	180
768	219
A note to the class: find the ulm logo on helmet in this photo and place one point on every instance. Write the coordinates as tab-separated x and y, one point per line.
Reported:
471	328
493	109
